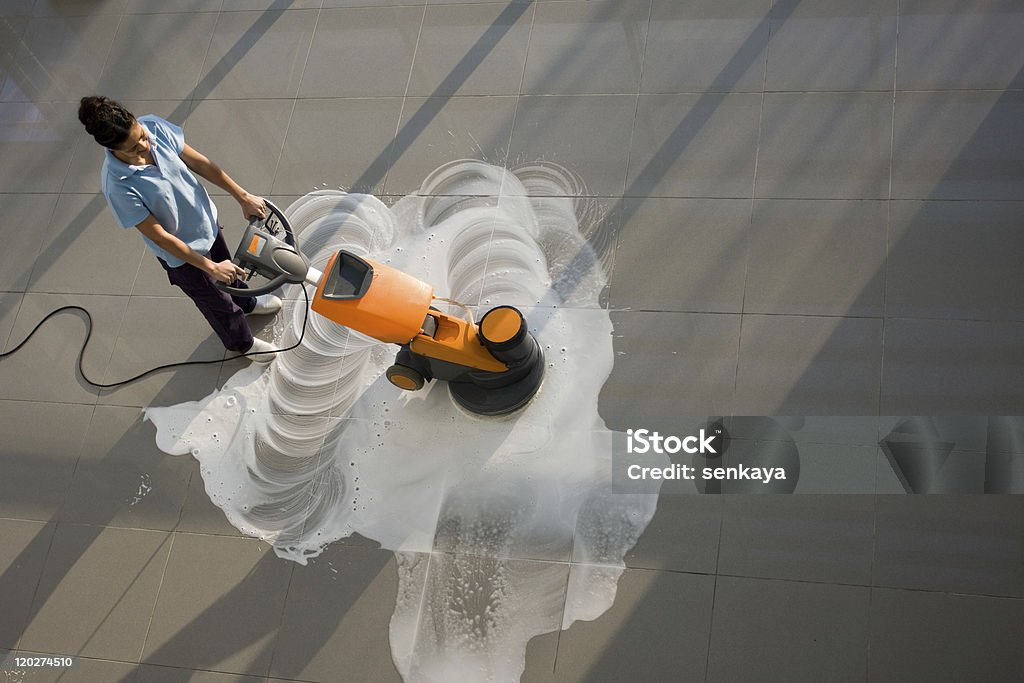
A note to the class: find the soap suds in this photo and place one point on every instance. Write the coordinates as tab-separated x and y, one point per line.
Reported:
484	514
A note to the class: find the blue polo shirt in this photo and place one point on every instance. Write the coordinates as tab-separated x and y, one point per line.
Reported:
167	189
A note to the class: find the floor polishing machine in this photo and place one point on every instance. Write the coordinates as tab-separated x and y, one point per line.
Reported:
493	367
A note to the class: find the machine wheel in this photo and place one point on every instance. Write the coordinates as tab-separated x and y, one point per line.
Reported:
404	377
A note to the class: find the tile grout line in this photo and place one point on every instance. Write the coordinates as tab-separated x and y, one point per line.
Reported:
609	276
881	364
419	611
636	102
280	620
565	606
113	348
750	221
35	590
522	82
295	101
191	98
156	598
888	212
390	159
103	68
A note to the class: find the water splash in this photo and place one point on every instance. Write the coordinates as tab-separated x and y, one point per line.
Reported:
484	514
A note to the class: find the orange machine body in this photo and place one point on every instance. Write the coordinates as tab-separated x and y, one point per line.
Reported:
387	304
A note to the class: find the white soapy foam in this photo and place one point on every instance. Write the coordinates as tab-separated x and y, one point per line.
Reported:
321	445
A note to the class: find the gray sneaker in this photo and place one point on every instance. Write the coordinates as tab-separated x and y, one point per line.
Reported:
263	352
265	305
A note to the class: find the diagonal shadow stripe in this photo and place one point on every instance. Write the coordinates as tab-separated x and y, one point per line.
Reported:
95	207
427	112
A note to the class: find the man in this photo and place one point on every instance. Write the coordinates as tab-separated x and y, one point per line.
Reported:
147	178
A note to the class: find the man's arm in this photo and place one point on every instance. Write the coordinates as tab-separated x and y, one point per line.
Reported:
225	271
200	165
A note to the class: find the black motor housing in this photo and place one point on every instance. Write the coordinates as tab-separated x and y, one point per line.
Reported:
480	391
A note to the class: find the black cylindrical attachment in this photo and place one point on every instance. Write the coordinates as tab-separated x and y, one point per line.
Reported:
504	333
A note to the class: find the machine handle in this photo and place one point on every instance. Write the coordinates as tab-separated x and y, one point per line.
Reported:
274	283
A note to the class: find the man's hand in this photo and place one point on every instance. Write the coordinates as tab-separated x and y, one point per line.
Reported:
226	272
252	206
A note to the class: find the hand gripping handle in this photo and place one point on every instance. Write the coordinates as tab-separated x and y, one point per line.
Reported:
275	282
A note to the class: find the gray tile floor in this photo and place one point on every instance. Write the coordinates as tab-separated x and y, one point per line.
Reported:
817	208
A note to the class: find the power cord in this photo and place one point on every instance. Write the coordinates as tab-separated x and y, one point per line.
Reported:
159	368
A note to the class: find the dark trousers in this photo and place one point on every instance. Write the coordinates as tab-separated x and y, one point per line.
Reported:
224	312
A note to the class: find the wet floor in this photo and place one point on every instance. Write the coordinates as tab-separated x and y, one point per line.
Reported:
810	208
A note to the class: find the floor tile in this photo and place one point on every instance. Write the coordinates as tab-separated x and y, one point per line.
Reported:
57	60
257	55
968	433
242	5
839	430
683	536
97	592
198	513
694	145
952	44
156	331
519	522
437	2
931	240
825	538
219	606
28	216
149	673
84	671
839	469
469	599
160	6
151	280
170	74
936	367
817	258
832	45
947	145
46	367
930	636
12	79
122	478
244	137
825	146
437	130
357	157
706	275
21	562
382	40
73	8
791	365
34	139
939	468
595	145
795	631
569	38
16	8
657	629
82	240
337	617
87	157
670	365
37	459
10	303
706	46
961	544
471	50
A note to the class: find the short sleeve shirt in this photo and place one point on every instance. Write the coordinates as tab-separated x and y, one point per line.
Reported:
167	189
